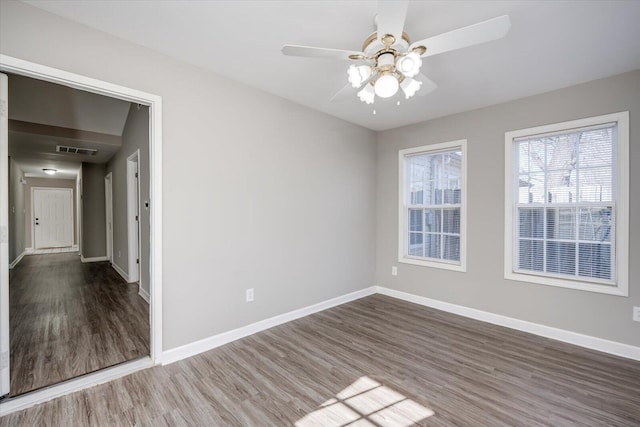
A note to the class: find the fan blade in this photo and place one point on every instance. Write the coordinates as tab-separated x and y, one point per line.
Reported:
481	32
343	93
349	90
390	18
428	85
320	52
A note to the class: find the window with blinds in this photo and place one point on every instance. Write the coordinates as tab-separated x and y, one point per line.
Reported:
432	205
564	191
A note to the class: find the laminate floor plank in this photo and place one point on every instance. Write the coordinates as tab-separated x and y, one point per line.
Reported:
68	319
376	361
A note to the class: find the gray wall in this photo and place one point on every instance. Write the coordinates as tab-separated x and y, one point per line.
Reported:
258	192
94	238
49	183
483	286
134	137
16	211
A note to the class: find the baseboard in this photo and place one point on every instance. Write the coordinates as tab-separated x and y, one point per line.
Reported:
586	341
17	260
144	294
76	384
94	259
188	350
120	271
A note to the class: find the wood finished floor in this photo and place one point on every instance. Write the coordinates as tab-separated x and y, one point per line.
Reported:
68	319
373	362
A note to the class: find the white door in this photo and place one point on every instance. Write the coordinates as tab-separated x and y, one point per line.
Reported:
4	238
133	214
52	217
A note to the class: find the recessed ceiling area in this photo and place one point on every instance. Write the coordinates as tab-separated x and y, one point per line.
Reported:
550	45
44	115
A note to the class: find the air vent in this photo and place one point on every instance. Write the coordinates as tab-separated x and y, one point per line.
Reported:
76	150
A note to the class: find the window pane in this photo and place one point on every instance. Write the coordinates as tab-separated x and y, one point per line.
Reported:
562	186
425	179
537	149
561	223
561	258
531	222
596	224
452	165
451	248
415	244
433	220
562	152
432	246
596	148
531	188
415	219
451	221
523	157
530	255
595	260
596	185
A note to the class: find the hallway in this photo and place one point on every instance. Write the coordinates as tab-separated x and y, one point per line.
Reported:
68	319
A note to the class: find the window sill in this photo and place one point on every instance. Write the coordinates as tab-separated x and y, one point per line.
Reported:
569	284
435	264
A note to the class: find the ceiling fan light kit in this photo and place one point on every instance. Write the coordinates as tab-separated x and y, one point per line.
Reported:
392	60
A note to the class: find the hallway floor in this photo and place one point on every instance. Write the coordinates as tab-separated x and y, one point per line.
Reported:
68	319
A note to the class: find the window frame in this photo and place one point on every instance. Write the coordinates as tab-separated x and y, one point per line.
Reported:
620	286
403	231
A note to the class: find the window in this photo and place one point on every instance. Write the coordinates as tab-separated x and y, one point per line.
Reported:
432	205
567	204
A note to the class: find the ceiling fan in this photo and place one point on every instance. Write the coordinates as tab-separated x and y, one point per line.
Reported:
389	61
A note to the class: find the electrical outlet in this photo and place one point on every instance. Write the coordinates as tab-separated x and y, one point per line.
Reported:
394	270
250	295
118	254
636	314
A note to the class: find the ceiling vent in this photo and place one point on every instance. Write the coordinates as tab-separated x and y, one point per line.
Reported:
76	150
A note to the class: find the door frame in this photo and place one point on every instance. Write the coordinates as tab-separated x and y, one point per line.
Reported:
5	377
108	204
133	223
33	213
77	81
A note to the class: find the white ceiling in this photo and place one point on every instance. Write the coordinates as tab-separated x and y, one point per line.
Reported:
552	44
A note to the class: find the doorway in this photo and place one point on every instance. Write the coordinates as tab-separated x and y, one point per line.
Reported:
23	68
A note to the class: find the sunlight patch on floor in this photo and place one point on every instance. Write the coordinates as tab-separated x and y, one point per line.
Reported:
366	402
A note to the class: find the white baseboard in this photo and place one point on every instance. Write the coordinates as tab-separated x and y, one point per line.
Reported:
94	259
144	294
587	341
73	385
120	271
17	260
188	350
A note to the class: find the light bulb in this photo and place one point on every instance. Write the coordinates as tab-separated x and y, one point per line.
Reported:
367	94
410	87
386	86
358	74
410	64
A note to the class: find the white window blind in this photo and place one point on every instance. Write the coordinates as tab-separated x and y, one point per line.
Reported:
432	204
565	204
